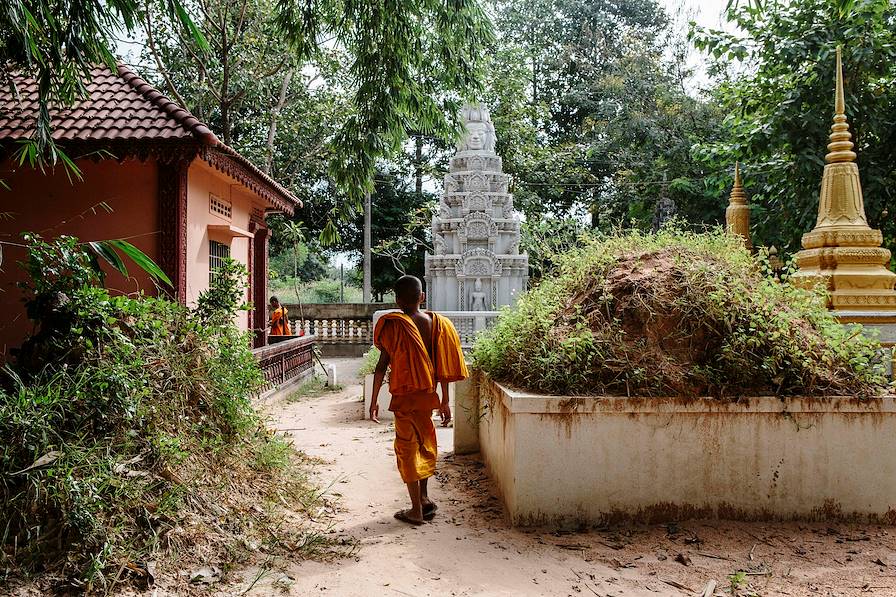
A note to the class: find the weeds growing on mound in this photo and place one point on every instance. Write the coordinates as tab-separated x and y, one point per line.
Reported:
676	313
129	438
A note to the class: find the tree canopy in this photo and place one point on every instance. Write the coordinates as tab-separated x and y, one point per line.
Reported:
592	112
388	45
780	101
593	102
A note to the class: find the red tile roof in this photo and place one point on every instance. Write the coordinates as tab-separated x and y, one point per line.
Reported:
121	107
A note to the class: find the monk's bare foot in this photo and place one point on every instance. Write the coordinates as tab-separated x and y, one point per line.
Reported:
429	509
410	517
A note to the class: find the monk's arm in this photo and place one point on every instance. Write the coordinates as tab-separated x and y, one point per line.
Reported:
379	374
445	408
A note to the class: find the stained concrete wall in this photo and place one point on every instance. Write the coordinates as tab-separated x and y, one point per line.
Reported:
592	460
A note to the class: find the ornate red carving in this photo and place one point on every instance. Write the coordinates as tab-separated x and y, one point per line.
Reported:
260	286
231	163
172	194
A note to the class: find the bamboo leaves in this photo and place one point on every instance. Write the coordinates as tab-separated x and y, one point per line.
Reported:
108	251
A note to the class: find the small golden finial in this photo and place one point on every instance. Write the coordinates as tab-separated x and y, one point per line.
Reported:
840	147
738	196
737	216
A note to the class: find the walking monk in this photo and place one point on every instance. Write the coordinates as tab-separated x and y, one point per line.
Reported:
423	349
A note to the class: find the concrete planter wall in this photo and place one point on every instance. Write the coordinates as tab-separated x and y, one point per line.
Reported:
592	460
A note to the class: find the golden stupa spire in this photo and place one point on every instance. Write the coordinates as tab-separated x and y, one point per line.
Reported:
842	251
737	215
840	147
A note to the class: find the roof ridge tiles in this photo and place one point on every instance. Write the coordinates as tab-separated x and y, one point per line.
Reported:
161	101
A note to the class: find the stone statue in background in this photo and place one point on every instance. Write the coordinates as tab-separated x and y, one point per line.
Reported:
475	264
477	297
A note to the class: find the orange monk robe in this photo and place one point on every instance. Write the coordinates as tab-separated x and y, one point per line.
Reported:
280	322
412	382
414	375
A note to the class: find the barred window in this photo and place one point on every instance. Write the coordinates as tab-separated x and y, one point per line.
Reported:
217	253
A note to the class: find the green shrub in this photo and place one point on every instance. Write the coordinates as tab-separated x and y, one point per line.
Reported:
129	435
675	313
369	361
225	296
325	291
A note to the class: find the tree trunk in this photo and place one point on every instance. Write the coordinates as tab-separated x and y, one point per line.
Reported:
418	167
367	255
295	282
275	117
534	80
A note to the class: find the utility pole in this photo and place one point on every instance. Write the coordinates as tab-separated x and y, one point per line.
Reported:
367	247
341	282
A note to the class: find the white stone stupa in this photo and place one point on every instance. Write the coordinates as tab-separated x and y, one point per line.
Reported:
476	265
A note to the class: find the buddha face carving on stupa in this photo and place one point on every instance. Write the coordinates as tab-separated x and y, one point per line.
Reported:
480	135
476	135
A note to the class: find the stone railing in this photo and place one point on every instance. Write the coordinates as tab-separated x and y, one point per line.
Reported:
468	323
344	329
338	330
285	361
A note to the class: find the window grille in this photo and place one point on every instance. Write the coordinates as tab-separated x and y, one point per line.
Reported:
217	253
220	207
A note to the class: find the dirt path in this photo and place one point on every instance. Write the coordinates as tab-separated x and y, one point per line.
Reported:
469	549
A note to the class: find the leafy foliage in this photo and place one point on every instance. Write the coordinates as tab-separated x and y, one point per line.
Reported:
592	114
412	62
320	91
675	313
58	43
132	406
545	241
369	361
400	229
225	295
311	262
776	85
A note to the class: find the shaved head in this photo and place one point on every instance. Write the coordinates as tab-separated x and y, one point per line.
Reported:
409	294
408	289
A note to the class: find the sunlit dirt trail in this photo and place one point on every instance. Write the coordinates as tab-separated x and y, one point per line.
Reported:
470	550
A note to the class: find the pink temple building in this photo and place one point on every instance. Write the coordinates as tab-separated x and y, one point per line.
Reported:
152	174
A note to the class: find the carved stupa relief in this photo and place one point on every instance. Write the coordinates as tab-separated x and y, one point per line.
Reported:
476	234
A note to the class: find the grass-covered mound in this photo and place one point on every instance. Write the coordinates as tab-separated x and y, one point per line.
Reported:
129	440
675	313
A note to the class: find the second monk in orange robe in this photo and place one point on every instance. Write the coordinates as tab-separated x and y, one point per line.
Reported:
279	319
423	349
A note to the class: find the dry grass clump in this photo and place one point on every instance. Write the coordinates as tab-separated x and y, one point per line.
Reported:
131	448
676	314
147	459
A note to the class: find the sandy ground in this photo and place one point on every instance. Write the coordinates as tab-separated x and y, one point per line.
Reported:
470	550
